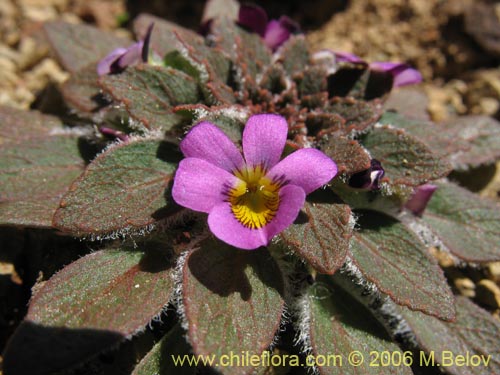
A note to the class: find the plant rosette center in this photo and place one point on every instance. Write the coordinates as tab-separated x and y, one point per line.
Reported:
252	197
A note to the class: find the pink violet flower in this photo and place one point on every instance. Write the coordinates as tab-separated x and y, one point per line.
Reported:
274	32
249	198
420	198
117	60
403	74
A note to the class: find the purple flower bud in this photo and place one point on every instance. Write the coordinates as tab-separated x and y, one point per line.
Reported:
113	133
121	57
368	179
253	18
402	74
274	32
418	201
278	31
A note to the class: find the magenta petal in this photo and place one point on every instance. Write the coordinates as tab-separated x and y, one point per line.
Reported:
227	228
420	198
264	139
105	65
201	186
308	168
254	18
348	57
403	74
276	34
206	141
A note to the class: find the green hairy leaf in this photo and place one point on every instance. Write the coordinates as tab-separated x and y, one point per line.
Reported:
474	333
393	258
465	224
90	305
233	300
321	233
406	160
37	164
124	188
148	93
340	326
76	46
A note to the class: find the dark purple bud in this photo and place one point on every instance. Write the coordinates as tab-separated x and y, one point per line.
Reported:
253	18
113	133
368	179
418	201
402	74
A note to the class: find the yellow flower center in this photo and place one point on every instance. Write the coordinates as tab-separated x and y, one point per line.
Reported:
255	200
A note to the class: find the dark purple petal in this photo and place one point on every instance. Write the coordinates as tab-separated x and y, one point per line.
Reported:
308	168
227	228
206	141
147	41
200	185
278	31
253	18
264	139
420	198
105	66
348	57
369	179
403	74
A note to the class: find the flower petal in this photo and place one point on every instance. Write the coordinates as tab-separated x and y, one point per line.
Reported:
308	168
227	228
206	141
348	57
132	56
105	65
264	139
368	179
201	186
253	17
278	31
418	201
403	74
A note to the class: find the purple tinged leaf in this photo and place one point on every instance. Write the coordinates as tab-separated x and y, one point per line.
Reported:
465	224
37	165
149	93
340	326
395	260
91	306
321	234
348	154
410	101
406	160
474	334
124	188
77	46
159	360
418	201
232	301
82	92
113	133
